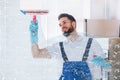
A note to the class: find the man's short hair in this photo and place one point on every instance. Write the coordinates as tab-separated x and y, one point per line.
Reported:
70	17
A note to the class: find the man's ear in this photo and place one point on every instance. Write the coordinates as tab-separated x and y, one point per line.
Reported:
74	24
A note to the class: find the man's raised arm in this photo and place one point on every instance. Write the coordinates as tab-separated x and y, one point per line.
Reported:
36	52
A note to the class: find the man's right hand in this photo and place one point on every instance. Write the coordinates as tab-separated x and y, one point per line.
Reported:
33	31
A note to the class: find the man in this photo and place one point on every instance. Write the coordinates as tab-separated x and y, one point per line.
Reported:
75	50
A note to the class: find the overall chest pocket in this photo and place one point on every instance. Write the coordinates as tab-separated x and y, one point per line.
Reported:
75	70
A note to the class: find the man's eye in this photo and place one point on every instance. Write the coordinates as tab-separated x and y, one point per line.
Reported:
64	22
60	25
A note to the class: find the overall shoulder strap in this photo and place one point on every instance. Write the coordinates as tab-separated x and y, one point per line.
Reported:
86	53
64	56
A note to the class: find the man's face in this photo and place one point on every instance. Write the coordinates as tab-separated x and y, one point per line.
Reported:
66	25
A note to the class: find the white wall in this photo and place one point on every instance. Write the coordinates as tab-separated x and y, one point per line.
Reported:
98	8
114	9
105	9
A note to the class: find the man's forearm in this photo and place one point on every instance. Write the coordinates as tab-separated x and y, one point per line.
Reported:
39	53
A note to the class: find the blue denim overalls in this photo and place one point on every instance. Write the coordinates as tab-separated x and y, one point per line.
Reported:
76	70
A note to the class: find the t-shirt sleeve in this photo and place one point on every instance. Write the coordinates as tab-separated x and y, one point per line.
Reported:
53	49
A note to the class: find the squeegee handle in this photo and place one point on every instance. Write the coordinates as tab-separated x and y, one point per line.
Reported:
34	18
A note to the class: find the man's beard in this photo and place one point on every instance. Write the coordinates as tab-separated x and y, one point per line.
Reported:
67	33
